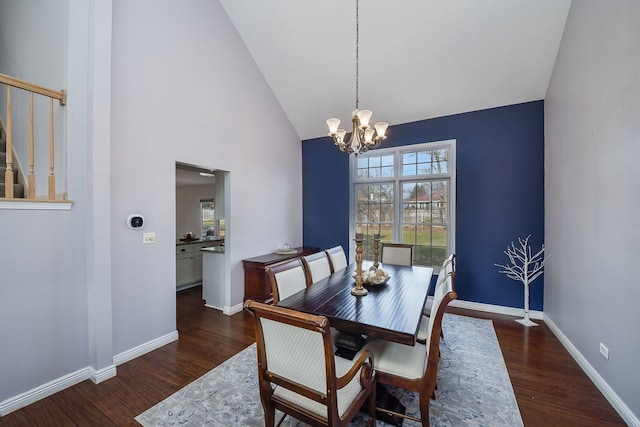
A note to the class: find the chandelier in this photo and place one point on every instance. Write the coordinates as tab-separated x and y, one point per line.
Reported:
363	136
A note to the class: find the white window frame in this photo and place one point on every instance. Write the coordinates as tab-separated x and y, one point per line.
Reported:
397	179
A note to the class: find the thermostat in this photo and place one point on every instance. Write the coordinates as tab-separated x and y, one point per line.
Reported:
135	221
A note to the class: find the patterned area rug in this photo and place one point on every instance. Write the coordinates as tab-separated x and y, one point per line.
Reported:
473	388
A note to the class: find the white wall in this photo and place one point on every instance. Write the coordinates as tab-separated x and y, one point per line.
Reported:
185	89
43	294
592	196
33	47
178	85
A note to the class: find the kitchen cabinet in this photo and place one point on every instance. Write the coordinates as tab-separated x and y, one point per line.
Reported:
189	262
184	268
197	264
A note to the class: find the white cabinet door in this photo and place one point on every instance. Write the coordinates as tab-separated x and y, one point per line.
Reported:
184	269
189	262
197	265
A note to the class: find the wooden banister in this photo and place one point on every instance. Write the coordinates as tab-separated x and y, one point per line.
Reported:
30	193
60	95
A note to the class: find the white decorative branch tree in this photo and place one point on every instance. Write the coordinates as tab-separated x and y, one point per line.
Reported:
524	267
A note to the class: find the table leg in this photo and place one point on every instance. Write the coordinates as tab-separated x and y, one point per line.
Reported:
388	407
348	345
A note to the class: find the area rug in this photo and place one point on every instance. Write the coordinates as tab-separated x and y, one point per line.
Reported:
473	388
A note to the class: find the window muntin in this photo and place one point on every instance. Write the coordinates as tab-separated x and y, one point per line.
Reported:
425	162
375	166
406	194
375	211
425	219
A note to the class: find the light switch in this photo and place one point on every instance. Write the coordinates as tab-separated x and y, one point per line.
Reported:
148	238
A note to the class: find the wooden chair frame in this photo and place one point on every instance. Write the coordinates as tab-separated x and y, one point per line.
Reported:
334	250
309	259
267	378
425	385
447	269
274	269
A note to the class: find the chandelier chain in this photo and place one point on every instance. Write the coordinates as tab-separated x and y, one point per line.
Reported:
357	50
364	136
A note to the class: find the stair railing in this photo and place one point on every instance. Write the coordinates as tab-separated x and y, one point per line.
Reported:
61	96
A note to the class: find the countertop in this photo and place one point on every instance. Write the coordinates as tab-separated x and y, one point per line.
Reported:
195	241
214	250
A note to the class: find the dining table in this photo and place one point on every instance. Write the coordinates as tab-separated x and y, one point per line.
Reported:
391	311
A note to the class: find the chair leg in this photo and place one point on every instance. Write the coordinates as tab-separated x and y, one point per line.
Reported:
269	415
425	401
372	406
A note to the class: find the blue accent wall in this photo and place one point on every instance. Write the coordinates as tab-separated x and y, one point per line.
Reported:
500	193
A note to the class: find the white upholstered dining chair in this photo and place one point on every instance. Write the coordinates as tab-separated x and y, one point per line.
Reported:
397	253
337	257
447	270
415	368
287	278
317	266
299	375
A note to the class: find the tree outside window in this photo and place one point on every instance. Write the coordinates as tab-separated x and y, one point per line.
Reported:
207	221
405	194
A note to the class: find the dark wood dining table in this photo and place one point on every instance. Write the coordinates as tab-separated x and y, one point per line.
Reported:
390	312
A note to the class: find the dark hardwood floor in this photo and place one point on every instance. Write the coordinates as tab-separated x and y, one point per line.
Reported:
550	387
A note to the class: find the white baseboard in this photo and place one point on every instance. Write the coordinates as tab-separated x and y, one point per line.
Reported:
621	408
45	390
498	309
131	354
103	374
214	307
97	376
229	311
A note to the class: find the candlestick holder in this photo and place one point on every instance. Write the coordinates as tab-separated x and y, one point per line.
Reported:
359	290
376	246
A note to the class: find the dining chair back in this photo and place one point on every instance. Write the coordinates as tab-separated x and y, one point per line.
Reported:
298	373
397	253
446	272
337	257
287	278
317	266
448	268
415	368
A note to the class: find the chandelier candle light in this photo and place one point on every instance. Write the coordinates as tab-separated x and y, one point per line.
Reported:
363	136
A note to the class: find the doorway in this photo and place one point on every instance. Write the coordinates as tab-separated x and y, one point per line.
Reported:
202	232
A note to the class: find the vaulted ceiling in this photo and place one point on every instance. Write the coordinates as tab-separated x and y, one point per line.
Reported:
418	59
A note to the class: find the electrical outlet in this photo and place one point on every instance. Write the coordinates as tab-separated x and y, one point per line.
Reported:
148	238
604	350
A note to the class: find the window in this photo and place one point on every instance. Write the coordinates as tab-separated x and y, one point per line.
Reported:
207	221
408	195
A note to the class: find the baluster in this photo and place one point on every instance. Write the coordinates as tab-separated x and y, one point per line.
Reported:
31	179
52	177
8	176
